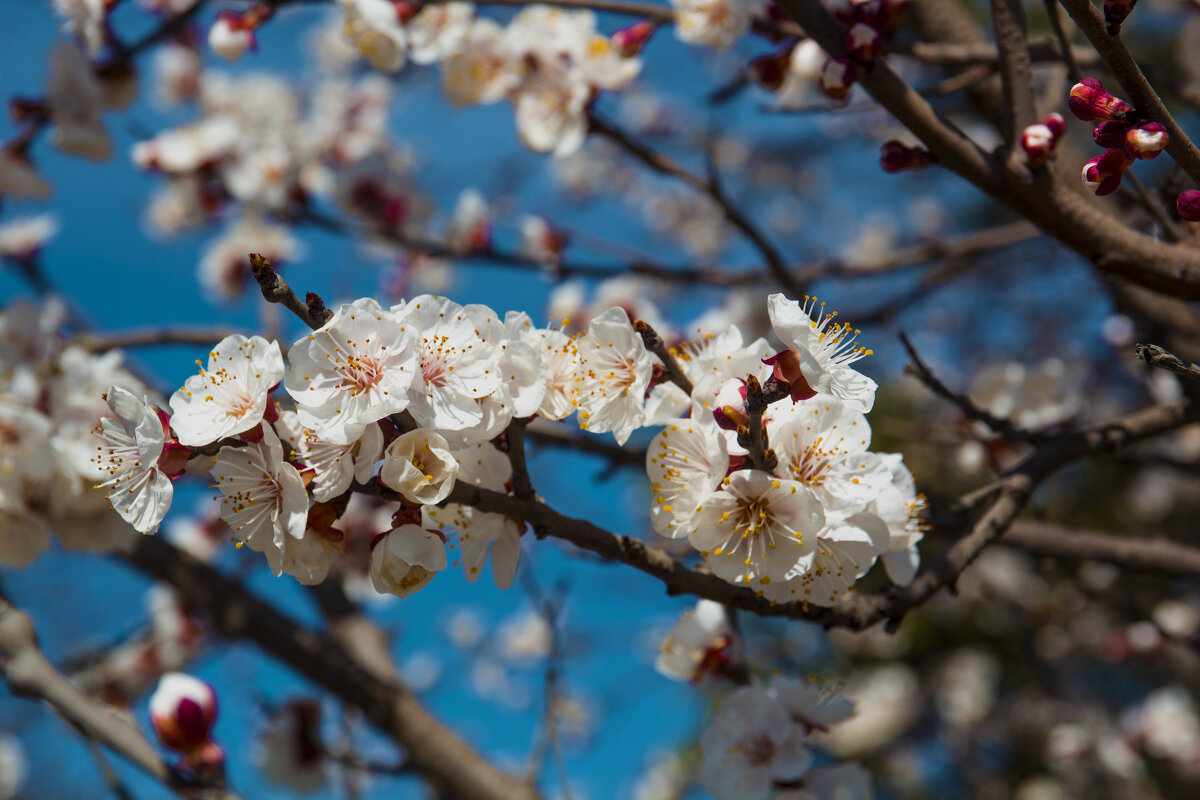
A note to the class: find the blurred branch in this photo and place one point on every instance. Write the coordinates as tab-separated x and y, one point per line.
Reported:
1156	356
1016	70
362	679
150	337
29	673
1136	553
665	165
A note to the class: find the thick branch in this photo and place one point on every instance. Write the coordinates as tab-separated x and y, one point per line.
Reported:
1130	553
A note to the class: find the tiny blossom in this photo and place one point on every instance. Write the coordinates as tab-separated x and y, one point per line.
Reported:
480	532
224	268
613	375
177	70
138	490
419	465
750	745
262	497
689	648
230	397
716	23
838	77
355	370
183	710
438	30
900	507
1146	140
335	466
470	229
895	156
550	105
686	463
485	69
609	65
825	349
863	42
757	528
1038	143
374	28
231	36
405	559
23	238
75	98
291	753
458	354
541	242
187	149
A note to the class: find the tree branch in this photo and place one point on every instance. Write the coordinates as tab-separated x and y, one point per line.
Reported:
1134	553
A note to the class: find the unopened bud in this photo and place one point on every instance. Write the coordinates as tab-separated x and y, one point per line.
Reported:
896	156
183	710
1188	205
1102	173
231	36
1091	103
863	42
1038	143
837	77
1110	134
729	405
1115	13
1056	124
630	41
1146	140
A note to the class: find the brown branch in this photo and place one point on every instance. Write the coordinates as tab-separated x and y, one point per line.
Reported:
1137	88
665	165
985	54
1136	553
515	435
1016	70
553	434
921	371
150	337
655	344
29	673
275	289
1069	55
1156	356
854	611
433	751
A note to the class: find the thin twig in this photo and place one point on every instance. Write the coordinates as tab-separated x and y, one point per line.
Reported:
275	289
655	344
1156	356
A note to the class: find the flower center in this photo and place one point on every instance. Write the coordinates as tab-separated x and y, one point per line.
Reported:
360	373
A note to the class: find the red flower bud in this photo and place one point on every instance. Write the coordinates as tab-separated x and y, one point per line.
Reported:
1038	143
1115	12
1146	140
630	41
837	77
1102	173
1188	205
895	156
1110	134
1090	103
785	367
1056	124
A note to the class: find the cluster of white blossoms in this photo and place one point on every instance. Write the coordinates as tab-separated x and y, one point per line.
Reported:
807	511
760	744
548	62
51	398
420	393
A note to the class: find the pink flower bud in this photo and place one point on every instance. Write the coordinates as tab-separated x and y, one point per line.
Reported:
1102	173
1146	140
183	710
863	42
895	156
1090	103
729	406
231	35
837	77
630	41
1038	143
1056	124
1188	205
1110	134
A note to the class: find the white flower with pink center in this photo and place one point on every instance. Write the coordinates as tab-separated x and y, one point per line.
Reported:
750	745
559	358
614	370
230	396
357	369
335	466
262	497
459	361
137	489
757	528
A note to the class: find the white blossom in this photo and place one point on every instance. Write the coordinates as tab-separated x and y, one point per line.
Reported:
355	370
262	497
751	744
698	631
717	23
485	69
550	105
900	507
420	466
614	371
438	31
230	396
137	489
335	466
373	27
405	560
686	463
